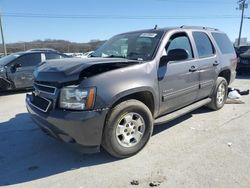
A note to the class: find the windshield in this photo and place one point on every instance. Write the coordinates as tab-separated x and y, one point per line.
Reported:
136	46
5	60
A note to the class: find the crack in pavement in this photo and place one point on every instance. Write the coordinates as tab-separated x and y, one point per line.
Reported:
234	118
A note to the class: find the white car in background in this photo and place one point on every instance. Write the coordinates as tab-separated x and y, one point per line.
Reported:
80	55
83	55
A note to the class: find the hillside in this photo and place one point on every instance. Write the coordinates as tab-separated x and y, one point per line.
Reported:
60	45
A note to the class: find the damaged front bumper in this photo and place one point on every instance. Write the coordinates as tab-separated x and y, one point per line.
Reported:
83	128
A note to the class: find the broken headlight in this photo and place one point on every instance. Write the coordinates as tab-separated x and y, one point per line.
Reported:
75	98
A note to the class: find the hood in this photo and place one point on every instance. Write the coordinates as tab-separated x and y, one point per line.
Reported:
71	69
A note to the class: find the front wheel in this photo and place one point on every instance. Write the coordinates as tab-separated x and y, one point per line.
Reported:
219	95
128	129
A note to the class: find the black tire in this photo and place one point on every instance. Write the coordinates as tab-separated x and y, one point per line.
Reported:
215	104
110	141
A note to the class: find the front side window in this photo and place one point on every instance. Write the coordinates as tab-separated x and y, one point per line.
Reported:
203	44
28	60
180	41
135	46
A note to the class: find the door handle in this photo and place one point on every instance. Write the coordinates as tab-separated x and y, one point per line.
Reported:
193	69
216	63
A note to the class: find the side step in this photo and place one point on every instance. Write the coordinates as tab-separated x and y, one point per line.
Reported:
173	115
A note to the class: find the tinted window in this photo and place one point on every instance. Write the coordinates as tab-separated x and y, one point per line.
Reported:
180	41
52	56
136	45
203	44
29	60
223	42
7	59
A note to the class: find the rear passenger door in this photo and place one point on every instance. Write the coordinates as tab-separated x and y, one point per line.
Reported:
207	63
178	80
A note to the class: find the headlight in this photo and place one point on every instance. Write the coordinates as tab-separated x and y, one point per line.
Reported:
76	98
2	69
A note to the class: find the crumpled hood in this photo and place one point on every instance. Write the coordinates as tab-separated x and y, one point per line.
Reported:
70	69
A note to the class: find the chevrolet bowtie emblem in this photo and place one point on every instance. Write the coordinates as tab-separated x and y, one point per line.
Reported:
36	92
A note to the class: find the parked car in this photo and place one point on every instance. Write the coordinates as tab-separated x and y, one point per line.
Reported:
133	82
244	62
83	55
16	70
88	54
240	50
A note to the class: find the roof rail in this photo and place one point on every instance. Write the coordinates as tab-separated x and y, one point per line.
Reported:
42	50
198	27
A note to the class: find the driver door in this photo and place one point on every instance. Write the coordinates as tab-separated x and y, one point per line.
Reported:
178	80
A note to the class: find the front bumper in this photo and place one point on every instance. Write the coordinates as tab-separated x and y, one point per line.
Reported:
80	128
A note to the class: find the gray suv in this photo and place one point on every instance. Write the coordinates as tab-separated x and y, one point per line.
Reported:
133	82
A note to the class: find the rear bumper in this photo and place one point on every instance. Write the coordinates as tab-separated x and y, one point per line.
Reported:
78	128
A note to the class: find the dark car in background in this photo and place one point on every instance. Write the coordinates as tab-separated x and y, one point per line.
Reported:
241	50
16	70
244	62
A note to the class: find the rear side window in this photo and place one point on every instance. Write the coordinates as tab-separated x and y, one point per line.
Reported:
223	42
28	60
203	44
52	56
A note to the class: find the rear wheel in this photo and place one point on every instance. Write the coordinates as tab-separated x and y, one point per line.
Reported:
128	129
219	95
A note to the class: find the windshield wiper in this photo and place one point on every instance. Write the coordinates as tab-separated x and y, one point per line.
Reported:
115	56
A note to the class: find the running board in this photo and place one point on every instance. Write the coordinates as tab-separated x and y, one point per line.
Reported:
173	115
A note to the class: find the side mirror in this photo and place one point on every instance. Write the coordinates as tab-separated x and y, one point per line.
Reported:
174	55
177	55
18	65
13	67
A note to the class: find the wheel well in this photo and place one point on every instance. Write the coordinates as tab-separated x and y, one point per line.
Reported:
226	74
145	97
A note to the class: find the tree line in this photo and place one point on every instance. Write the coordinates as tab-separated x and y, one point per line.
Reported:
60	45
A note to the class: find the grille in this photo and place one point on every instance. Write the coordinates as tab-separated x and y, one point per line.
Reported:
41	103
45	88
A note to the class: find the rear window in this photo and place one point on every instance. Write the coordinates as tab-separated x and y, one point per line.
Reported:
223	42
52	56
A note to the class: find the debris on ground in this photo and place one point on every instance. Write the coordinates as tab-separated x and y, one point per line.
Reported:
155	183
229	144
234	101
236	93
134	182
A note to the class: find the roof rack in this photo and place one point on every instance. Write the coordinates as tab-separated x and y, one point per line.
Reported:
42	50
198	27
